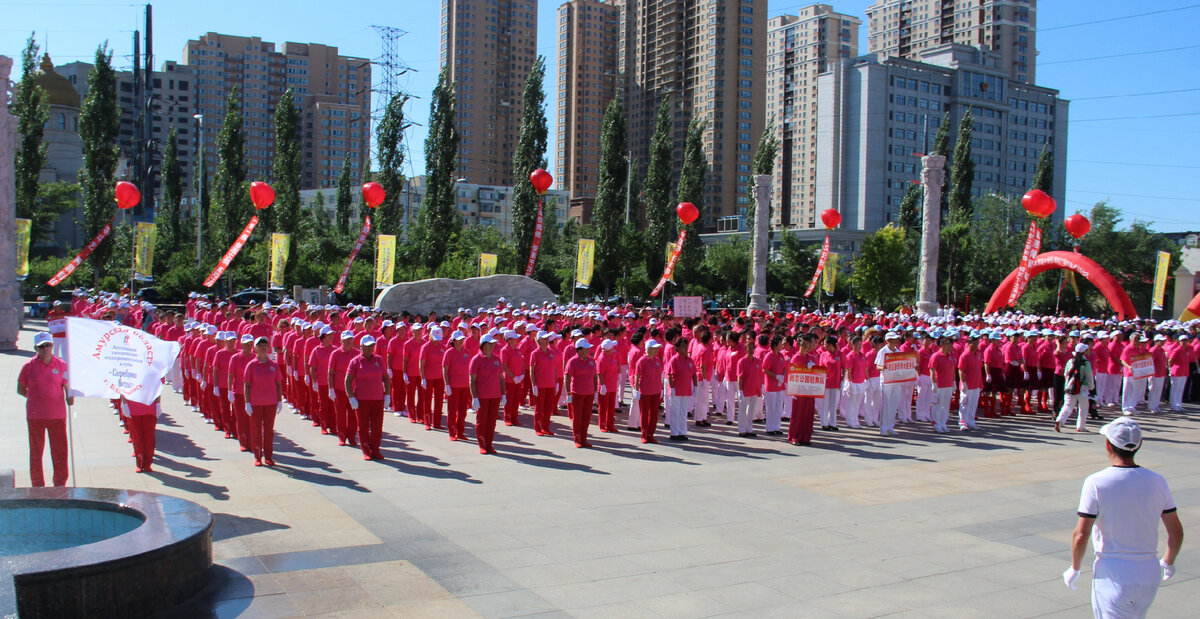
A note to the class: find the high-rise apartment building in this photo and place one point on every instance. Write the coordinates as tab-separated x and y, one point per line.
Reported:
333	93
906	28
587	82
488	47
799	47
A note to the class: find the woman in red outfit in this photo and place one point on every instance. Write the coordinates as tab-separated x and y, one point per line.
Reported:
487	378
142	420
647	389
456	372
263	390
368	387
608	370
581	389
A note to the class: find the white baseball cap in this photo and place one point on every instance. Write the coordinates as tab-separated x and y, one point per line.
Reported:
458	335
582	343
435	334
1123	433
653	343
367	340
247	339
1081	348
41	339
487	339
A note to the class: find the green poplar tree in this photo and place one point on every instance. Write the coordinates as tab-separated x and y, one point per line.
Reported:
99	124
167	218
656	192
764	163
31	106
691	189
1043	178
962	171
608	213
941	146
230	192
439	220
286	168
529	155
345	204
390	136
910	210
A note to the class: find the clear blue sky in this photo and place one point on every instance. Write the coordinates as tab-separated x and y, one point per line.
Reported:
1135	111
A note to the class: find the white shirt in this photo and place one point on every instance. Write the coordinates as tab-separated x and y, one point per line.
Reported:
882	354
1127	503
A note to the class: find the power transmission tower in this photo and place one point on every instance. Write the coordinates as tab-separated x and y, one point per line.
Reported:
391	67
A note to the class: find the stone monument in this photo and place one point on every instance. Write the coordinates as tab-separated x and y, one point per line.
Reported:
10	290
445	296
762	223
933	174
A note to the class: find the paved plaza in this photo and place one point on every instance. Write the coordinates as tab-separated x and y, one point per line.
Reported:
923	525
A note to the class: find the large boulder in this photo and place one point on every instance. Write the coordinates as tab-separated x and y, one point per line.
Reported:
445	296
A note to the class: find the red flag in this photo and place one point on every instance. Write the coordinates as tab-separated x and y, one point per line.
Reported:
670	268
67	270
820	267
362	238
537	242
1033	245
231	254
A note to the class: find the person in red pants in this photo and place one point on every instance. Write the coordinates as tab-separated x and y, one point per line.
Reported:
431	379
237	398
412	373
263	391
339	362
647	389
514	365
456	372
581	389
395	360
487	383
608	370
800	426
368	387
43	383
226	343
142	421
543	380
317	379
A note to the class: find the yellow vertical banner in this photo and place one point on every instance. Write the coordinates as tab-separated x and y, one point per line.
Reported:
829	275
1071	281
671	252
1160	280
385	261
585	263
487	264
280	244
24	229
143	250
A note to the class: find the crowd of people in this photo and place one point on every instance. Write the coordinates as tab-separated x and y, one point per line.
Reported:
344	368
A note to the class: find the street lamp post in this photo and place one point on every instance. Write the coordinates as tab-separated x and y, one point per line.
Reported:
199	183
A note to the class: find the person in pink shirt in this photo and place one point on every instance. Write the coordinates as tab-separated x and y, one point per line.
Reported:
635	354
581	382
395	361
1159	355
543	372
608	377
368	388
749	372
263	392
800	422
701	352
856	384
647	389
1116	346
942	368
456	374
142	420
735	350
317	380
226	343
1015	360
774	366
339	364
1180	358
514	365
830	358
487	385
681	376
1133	390
237	398
43	383
970	370
997	376
432	390
412	372
925	349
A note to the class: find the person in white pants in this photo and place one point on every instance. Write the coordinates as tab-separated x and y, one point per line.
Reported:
970	381
941	373
1133	390
1077	381
1179	361
924	397
1159	353
891	391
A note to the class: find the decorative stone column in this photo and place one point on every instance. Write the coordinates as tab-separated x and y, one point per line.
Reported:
762	222
10	290
933	174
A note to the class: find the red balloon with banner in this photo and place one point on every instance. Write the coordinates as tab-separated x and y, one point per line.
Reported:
541	180
1038	203
373	194
262	195
127	195
831	218
687	212
1077	225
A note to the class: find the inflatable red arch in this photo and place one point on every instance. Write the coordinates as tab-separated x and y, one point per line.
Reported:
1113	292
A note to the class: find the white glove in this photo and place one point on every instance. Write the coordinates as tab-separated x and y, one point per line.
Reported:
249	409
637	395
448	390
203	385
475	403
1168	569
405	378
354	403
306	380
534	390
278	407
216	390
810	365
503	400
1027	378
1070	575
603	390
518	379
387	401
424	384
389	372
570	398
740	395
232	399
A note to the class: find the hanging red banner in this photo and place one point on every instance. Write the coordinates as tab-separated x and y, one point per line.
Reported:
1033	245
362	238
670	268
234	249
820	267
83	255
537	242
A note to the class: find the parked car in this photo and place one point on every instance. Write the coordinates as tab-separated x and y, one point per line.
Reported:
255	295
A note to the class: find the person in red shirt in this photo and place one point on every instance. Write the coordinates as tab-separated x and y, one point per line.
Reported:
339	364
647	389
1133	390
317	379
1180	358
942	367
487	384
856	385
749	372
1159	354
800	424
367	388
701	352
412	372
226	344
514	364
430	365
456	373
608	369
681	376
237	399
580	375
543	372
141	420
775	398
395	361
263	391
43	383
970	369
632	356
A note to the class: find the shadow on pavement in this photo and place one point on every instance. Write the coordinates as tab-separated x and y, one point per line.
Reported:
220	493
226	526
228	594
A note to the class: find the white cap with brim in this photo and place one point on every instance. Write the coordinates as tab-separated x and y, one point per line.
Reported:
458	336
608	344
653	344
1123	433
247	339
1081	348
368	340
487	339
262	339
582	343
42	339
435	334
347	335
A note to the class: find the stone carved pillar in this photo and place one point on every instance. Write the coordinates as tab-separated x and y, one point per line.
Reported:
762	223
10	289
933	174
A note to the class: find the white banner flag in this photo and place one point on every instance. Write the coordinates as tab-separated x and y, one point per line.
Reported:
110	360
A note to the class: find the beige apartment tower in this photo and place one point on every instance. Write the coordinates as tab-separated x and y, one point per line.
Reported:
489	47
906	28
586	83
799	47
332	91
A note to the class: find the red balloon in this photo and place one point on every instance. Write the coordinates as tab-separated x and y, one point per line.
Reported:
1077	225
831	218
687	212
373	194
541	180
1038	203
128	195
262	195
